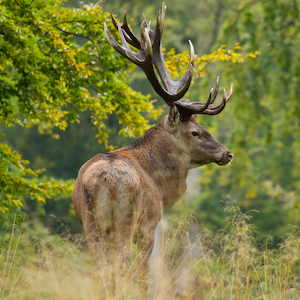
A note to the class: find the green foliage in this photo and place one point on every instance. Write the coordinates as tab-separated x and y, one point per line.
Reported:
251	271
54	62
176	63
261	123
15	186
50	74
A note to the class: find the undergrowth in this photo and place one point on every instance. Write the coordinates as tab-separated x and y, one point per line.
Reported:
231	264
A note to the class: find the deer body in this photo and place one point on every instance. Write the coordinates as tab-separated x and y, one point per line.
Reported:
119	196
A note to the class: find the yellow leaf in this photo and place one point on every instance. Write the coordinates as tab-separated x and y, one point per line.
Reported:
3	209
250	194
251	55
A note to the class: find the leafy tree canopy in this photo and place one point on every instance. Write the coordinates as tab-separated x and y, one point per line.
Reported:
54	62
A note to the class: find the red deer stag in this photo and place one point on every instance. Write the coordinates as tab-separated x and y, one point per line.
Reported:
119	196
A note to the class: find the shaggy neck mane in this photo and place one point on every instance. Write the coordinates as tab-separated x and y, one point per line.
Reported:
161	158
148	138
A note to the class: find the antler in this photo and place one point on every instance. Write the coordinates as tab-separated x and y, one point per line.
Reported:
187	108
150	58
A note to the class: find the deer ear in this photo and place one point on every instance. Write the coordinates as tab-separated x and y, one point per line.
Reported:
174	117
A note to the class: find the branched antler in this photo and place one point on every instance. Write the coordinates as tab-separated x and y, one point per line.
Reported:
187	108
150	56
150	60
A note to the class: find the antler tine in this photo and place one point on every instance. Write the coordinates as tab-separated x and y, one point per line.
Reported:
213	98
186	80
216	91
140	59
206	108
112	41
146	44
143	58
182	85
217	108
229	93
129	36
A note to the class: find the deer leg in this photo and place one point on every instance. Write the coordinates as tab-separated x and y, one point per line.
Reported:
94	240
145	246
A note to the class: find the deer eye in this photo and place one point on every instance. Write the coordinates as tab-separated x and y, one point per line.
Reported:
195	133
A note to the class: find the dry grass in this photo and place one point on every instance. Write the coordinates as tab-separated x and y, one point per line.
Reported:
230	265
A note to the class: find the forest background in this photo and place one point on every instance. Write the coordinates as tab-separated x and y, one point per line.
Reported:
61	96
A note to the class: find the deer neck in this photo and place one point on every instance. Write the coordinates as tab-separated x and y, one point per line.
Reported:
165	163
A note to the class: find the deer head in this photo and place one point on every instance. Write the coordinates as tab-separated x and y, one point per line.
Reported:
193	138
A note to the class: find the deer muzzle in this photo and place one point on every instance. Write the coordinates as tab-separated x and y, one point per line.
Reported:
226	158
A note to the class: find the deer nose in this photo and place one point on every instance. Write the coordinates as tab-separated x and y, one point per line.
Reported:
230	156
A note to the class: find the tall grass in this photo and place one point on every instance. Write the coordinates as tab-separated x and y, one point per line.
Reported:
229	265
